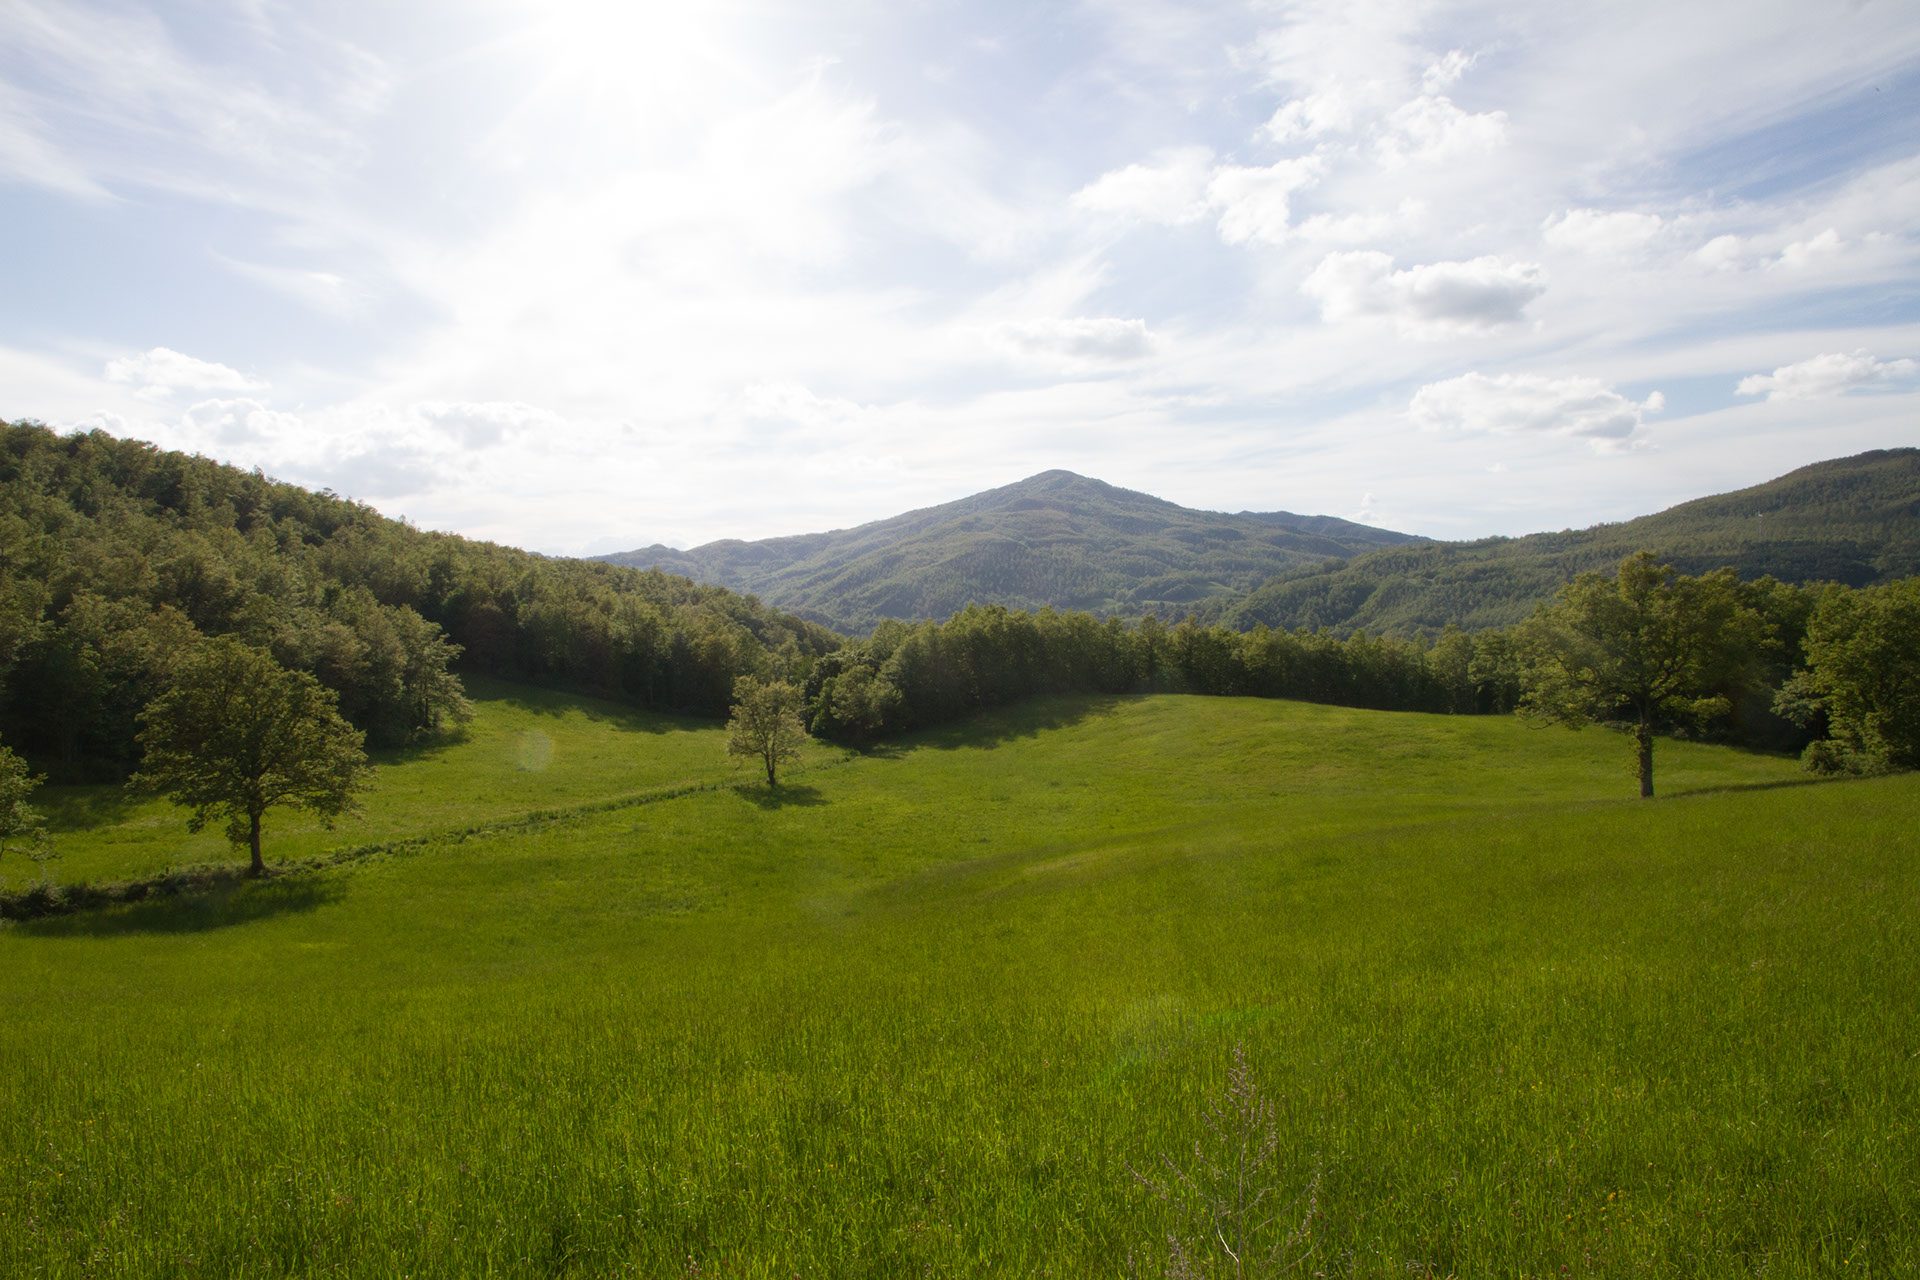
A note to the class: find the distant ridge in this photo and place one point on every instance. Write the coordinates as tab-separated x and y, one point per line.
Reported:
1854	520
1056	539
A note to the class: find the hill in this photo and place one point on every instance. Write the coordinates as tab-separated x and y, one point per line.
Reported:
631	1019
115	554
1056	539
1852	520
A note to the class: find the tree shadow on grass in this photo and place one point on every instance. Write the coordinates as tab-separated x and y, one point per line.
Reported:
597	708
1775	785
194	912
786	795
85	807
1027	719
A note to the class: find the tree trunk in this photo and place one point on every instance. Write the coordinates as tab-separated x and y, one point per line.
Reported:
770	778
259	868
1643	741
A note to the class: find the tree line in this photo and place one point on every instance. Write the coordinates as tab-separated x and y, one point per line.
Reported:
118	558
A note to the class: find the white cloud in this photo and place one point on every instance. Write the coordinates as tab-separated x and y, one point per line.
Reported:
1724	253
1439	297
1620	233
1431	130
1255	204
477	425
1806	253
1833	374
158	373
1172	189
241	421
1529	404
1446	73
1362	226
1097	339
1329	111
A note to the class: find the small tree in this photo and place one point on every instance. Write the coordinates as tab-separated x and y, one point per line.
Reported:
237	734
21	826
766	723
1636	651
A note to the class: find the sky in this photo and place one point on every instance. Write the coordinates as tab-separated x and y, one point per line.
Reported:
581	276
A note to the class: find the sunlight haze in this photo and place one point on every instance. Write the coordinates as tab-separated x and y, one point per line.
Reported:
583	276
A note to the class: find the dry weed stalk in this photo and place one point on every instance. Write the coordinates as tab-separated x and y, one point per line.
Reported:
1232	1185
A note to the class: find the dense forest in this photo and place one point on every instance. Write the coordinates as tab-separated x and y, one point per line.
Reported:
1056	539
1850	520
115	556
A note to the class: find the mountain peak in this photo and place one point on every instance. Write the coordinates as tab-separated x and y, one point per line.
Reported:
1056	538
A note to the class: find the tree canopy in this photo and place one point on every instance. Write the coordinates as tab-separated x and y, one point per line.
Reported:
235	734
1862	677
766	724
1642	649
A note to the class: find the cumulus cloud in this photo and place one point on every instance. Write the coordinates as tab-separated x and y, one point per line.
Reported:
478	425
1095	339
160	372
1430	129
1318	114
1805	253
1170	190
1255	203
240	421
1616	234
1438	297
1833	374
1529	404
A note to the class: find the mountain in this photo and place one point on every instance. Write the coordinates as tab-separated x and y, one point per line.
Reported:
1055	539
1853	520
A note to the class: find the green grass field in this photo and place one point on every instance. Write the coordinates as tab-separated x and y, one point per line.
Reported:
922	1012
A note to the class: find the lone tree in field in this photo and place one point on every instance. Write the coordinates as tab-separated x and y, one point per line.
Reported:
237	734
1640	650
766	723
21	826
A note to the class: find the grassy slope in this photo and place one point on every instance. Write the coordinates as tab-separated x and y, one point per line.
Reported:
528	750
924	1013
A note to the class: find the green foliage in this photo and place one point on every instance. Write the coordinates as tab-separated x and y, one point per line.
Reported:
22	827
235	735
906	677
115	555
1862	678
1644	649
765	724
1515	1027
1850	520
1053	540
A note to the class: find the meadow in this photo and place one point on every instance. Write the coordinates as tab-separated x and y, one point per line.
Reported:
930	1011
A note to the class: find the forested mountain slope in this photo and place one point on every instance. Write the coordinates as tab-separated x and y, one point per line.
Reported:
1853	520
114	555
1056	539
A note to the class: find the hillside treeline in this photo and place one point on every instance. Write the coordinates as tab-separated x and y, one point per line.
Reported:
116	555
911	676
1849	520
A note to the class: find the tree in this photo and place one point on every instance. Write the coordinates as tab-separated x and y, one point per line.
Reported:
1640	650
21	826
766	723
1863	675
236	734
